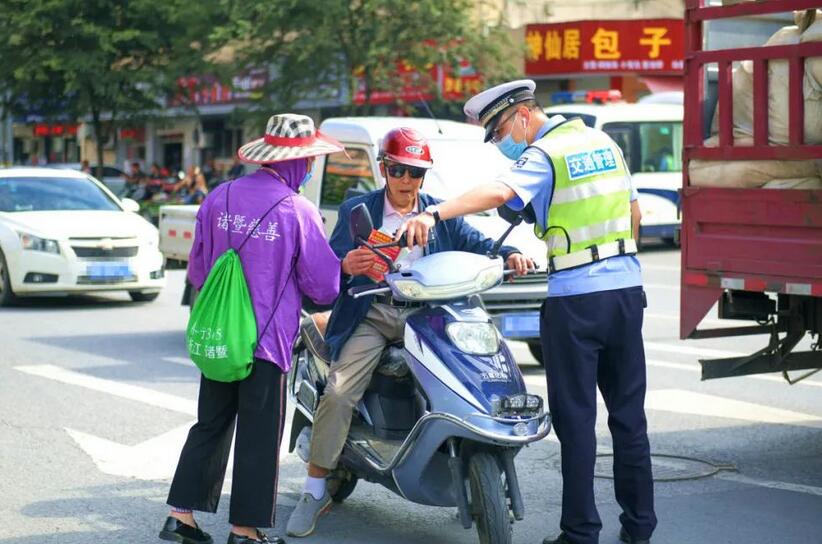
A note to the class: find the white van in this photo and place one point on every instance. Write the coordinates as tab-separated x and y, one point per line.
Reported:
650	136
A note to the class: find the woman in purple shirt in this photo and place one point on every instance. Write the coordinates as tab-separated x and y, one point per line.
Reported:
286	256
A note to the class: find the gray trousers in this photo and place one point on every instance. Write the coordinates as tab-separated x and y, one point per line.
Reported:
348	379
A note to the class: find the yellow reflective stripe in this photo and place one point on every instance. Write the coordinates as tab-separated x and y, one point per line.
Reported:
596	187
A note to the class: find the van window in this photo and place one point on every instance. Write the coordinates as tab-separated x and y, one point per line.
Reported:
343	173
654	146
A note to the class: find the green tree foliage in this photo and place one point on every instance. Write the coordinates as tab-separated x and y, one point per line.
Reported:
314	48
111	60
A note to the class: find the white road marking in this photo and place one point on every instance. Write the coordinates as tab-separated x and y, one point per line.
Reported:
185	361
694	367
665	286
688	402
118	389
691	350
707	321
784	486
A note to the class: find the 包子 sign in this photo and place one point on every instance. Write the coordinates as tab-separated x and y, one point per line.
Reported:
646	45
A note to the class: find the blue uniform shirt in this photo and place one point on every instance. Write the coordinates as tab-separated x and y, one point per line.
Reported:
531	178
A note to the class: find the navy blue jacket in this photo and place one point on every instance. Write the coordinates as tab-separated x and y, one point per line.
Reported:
449	235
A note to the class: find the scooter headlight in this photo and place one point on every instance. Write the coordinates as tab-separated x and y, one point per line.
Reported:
475	338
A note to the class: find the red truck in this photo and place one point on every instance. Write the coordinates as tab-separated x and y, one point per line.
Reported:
757	252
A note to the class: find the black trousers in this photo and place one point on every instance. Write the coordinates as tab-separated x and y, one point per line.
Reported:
257	405
589	340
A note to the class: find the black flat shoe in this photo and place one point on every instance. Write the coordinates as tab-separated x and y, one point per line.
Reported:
261	537
561	539
625	537
175	530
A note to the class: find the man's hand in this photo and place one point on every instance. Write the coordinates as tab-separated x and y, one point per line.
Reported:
520	263
417	229
357	261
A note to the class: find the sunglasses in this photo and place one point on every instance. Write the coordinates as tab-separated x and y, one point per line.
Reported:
399	170
496	137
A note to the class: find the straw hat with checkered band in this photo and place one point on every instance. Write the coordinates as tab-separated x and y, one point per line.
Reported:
288	136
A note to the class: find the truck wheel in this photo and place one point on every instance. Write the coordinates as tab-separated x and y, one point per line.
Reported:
489	506
536	352
341	484
138	296
7	296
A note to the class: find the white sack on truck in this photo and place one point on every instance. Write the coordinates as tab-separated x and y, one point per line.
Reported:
753	174
771	173
778	84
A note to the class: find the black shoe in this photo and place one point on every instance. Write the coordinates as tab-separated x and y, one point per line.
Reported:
625	537
261	537
175	530
561	539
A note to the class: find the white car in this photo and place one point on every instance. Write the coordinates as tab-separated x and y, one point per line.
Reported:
62	232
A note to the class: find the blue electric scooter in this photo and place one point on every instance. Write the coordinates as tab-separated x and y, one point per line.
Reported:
447	410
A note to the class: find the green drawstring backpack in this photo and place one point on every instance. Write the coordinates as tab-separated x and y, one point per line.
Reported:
222	329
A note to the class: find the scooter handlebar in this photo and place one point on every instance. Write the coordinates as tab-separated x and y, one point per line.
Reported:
365	290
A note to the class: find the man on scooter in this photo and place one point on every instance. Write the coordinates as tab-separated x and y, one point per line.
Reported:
359	330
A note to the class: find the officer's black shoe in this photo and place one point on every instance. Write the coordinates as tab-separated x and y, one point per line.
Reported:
261	538
625	537
175	530
561	539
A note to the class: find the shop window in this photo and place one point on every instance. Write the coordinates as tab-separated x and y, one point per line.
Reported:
343	173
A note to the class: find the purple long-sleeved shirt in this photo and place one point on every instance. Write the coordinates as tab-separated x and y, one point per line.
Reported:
293	228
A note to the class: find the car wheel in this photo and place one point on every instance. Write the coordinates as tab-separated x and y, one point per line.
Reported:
7	296
138	296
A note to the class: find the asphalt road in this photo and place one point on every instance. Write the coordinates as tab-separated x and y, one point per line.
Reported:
96	396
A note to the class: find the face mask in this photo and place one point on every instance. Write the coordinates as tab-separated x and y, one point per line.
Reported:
307	177
510	148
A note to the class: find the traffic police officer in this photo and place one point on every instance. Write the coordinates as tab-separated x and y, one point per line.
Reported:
573	181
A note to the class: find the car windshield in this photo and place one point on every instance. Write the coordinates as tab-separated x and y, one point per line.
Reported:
460	165
37	194
652	146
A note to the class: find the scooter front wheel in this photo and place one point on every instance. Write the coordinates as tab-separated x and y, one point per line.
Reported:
488	504
340	485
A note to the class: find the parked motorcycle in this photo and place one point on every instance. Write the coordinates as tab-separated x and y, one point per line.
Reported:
447	410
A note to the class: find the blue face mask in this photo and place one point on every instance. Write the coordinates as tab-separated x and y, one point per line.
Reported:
510	148
307	177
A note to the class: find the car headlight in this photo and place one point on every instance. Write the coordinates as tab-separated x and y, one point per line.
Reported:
473	337
35	243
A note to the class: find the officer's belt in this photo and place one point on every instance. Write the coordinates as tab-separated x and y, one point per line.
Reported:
591	254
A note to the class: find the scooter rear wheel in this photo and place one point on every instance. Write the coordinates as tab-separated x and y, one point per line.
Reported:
488	504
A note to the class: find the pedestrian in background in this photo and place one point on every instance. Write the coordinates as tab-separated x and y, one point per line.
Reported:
287	257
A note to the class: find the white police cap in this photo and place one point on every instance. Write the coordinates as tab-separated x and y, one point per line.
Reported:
487	105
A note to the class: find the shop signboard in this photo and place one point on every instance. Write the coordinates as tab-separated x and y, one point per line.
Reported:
644	46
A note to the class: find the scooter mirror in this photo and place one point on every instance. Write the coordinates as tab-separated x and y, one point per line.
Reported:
360	224
514	218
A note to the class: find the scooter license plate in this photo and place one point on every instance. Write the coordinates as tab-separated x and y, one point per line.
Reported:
521	325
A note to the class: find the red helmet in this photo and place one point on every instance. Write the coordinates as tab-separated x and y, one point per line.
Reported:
406	146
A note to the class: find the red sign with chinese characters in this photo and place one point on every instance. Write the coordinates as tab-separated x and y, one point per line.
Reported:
651	46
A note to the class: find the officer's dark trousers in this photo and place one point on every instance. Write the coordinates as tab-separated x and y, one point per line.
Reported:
589	340
257	404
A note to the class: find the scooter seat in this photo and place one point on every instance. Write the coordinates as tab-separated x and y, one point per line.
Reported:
312	336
